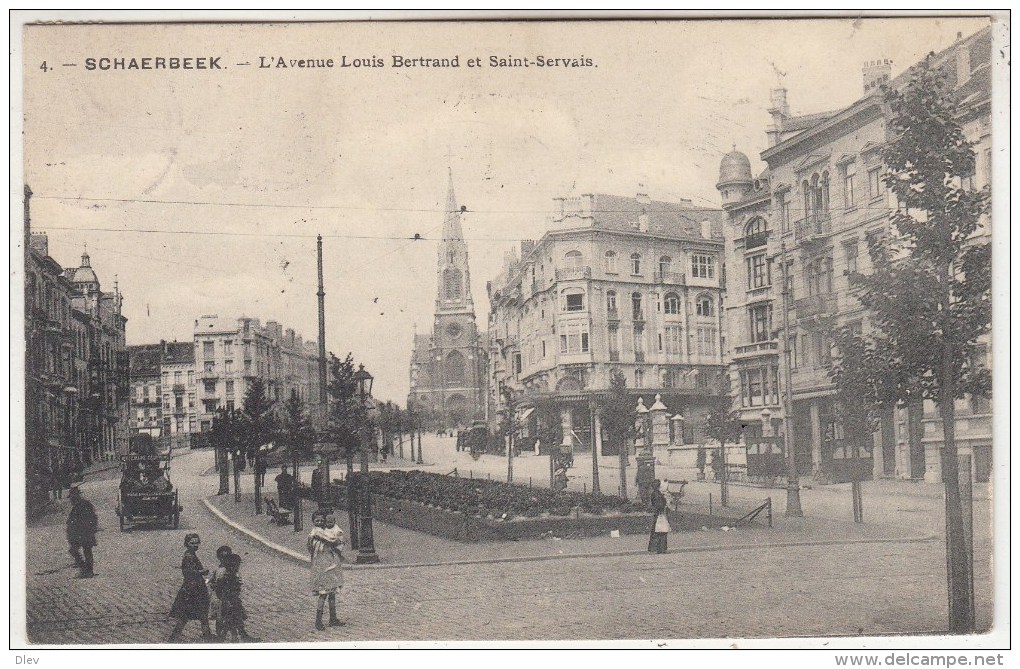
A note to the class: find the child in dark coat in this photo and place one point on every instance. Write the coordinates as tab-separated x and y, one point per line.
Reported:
232	613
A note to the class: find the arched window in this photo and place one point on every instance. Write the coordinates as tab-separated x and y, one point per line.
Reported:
573	259
664	264
635	263
756	233
704	306
452	283
455	368
635	303
572	299
671	303
611	301
611	262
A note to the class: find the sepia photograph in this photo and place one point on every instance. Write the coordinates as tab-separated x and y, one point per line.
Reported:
646	331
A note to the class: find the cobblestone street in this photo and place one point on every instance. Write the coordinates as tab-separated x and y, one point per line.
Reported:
870	589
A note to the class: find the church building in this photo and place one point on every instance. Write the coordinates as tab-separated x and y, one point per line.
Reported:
448	365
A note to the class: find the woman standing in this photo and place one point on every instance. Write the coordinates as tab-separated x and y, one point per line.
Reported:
192	601
660	530
325	542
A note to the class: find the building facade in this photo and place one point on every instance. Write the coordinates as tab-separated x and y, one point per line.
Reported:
146	412
819	207
229	353
626	284
447	375
76	371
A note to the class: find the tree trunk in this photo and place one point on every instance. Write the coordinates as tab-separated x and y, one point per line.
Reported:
257	486
223	465
295	464
623	468
724	487
237	479
959	560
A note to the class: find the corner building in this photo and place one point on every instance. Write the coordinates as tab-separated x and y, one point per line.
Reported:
626	284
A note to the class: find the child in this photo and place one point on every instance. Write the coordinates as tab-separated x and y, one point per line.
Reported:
192	601
228	589
324	544
214	600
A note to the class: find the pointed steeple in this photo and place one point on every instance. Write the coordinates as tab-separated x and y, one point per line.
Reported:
452	230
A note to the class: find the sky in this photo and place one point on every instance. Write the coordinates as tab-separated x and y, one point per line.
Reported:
202	191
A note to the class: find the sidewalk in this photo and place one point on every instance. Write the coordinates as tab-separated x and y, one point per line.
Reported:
399	547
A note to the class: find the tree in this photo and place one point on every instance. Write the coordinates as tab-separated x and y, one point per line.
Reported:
228	441
297	434
617	414
928	297
724	425
257	427
347	418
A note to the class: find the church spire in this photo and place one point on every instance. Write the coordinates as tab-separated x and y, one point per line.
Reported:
452	230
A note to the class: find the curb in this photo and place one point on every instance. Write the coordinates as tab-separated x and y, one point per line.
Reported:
298	557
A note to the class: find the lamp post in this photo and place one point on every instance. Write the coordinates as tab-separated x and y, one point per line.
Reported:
70	392
793	507
366	542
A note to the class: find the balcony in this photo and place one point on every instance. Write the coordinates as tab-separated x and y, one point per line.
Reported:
755	349
814	228
613	314
614	356
209	375
639	356
571	273
638	316
756	240
178	388
672	278
816	306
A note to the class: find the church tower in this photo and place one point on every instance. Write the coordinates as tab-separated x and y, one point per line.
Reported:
448	381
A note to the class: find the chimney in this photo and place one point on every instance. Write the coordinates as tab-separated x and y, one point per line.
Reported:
40	243
875	73
162	343
527	246
706	229
779	110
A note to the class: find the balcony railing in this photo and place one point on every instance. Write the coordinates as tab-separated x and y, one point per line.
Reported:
670	277
638	315
756	240
178	387
568	273
815	227
613	314
816	305
756	348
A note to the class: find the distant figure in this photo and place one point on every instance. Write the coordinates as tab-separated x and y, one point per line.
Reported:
260	469
192	601
285	488
660	530
325	543
319	482
82	525
538	446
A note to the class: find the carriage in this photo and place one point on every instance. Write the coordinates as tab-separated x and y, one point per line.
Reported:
146	495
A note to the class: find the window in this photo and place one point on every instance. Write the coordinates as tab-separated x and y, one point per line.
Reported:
166	378
230	387
673	339
635	263
705	340
573	300
783	207
228	347
177	377
759	272
672	304
614	343
639	378
665	262
611	301
230	405
210	387
178	403
228	366
760	321
819	276
574	337
704	306
141	414
191	377
247	366
455	368
543	348
573	259
788	279
210	367
759	386
875	186
191	400
756	233
517	364
849	176
851	257
611	262
453	279
794	360
635	304
208	349
639	343
702	266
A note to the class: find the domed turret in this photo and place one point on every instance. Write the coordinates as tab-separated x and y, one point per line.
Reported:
735	178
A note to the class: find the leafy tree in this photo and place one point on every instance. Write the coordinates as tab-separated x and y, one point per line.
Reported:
347	419
929	294
226	436
297	434
617	414
724	425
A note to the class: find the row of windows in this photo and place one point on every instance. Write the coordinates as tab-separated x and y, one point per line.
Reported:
702	265
573	300
876	187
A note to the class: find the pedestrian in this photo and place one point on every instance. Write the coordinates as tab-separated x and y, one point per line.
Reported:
192	601
82	525
260	469
318	482
325	543
214	600
285	488
660	530
232	613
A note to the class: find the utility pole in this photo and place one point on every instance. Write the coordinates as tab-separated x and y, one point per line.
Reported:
793	507
596	488
323	400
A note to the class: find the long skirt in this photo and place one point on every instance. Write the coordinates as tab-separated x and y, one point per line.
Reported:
192	602
657	542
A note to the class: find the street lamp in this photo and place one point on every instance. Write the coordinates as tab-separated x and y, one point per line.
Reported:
70	392
366	542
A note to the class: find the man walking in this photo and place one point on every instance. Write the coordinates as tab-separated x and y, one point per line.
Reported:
285	488
81	532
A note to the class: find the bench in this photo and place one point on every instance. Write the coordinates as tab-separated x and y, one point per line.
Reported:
276	514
